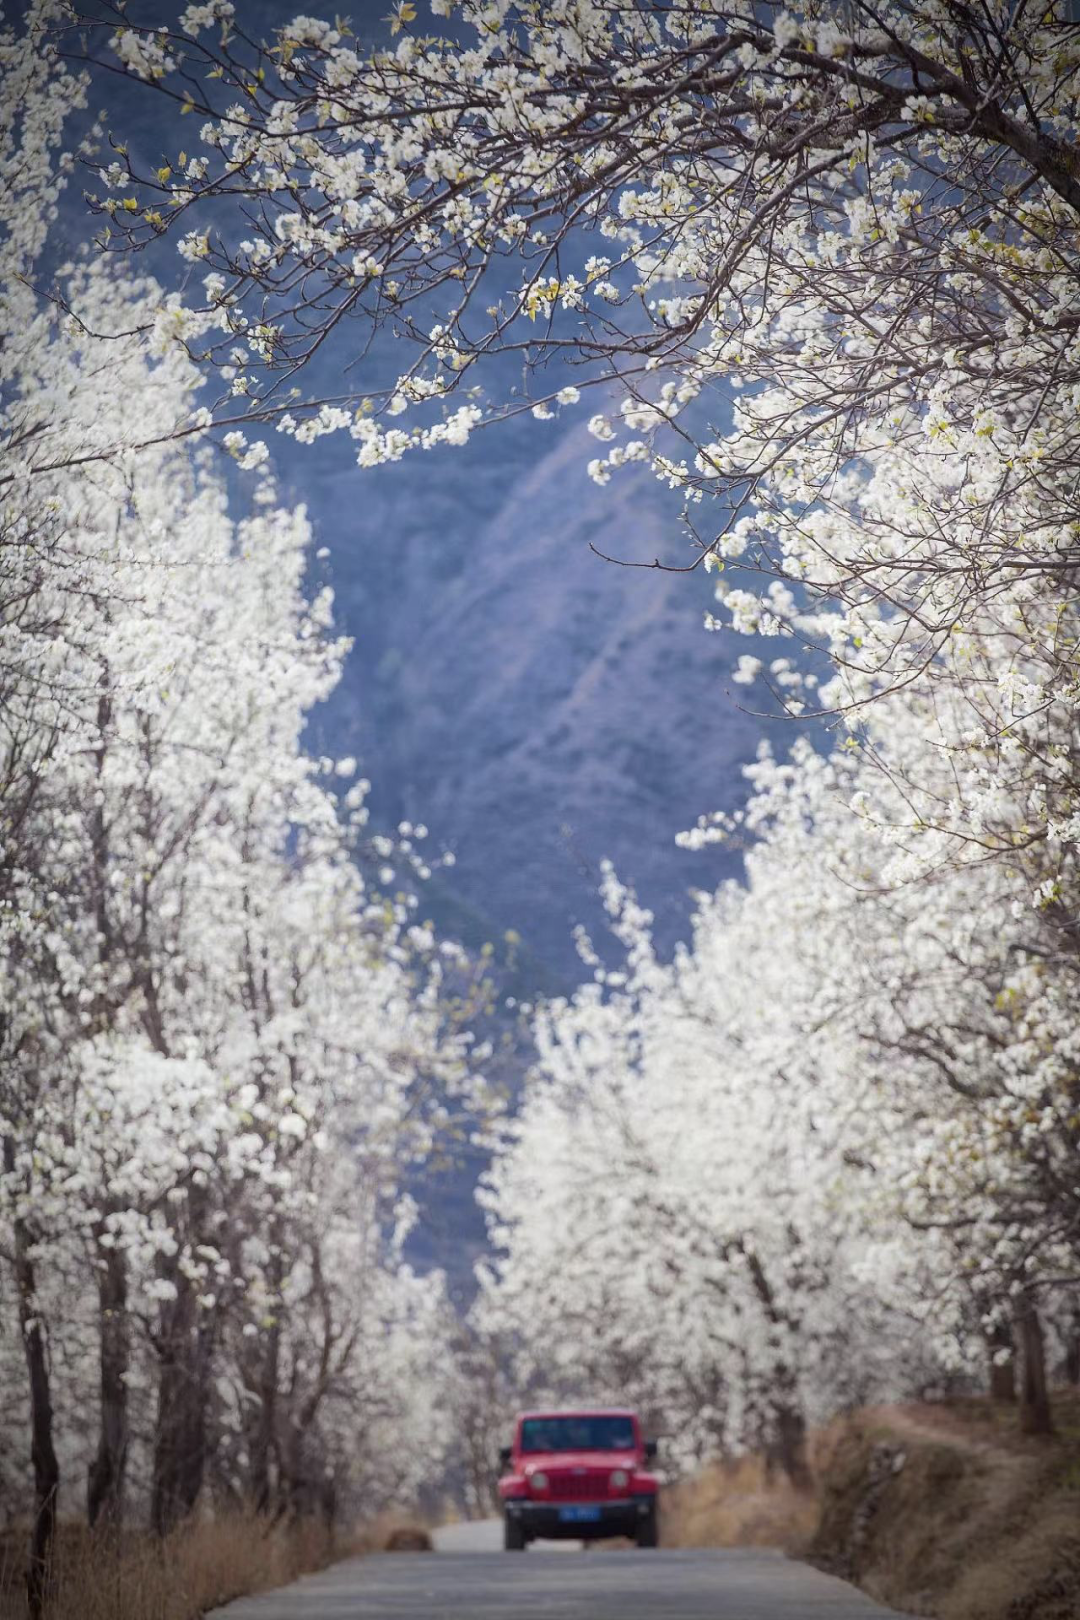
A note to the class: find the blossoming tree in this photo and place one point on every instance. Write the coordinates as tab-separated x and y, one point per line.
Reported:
816	264
224	1042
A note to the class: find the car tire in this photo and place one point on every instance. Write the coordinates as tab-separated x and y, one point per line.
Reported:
513	1535
648	1530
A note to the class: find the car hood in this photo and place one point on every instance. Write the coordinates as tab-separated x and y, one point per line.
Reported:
559	1461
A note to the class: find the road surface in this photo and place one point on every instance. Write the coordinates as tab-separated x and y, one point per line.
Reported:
470	1578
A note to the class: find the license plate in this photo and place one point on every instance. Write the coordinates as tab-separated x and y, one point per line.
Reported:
580	1514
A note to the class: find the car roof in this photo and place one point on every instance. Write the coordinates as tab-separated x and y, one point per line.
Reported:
579	1411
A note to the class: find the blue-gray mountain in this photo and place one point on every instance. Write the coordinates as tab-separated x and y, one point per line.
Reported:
536	707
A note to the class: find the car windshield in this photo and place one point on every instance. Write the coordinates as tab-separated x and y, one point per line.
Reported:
589	1433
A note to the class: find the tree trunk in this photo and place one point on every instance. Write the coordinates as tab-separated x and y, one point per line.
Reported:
328	1501
42	1448
1003	1380
1072	1359
263	1432
105	1489
1071	1366
789	1445
46	1468
184	1348
294	1486
1002	1366
180	1430
1035	1416
787	1425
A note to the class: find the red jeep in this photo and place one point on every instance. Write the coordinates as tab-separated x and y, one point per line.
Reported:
578	1476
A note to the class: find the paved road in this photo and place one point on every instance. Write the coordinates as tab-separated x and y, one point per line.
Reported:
467	1580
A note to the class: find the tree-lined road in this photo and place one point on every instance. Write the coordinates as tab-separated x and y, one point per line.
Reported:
469	1578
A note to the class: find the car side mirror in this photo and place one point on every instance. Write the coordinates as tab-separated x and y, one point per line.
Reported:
505	1455
651	1449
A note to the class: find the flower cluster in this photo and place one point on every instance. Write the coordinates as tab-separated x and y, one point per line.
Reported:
222	1046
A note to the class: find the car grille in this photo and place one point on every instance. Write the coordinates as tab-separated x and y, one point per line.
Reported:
586	1487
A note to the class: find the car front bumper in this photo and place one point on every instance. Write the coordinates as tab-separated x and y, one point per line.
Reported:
554	1521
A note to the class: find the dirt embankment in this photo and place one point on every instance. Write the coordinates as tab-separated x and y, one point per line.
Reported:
944	1511
947	1511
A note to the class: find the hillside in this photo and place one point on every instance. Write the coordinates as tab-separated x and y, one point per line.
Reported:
537	708
939	1509
949	1512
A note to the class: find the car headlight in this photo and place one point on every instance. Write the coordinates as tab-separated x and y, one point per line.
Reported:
620	1479
538	1481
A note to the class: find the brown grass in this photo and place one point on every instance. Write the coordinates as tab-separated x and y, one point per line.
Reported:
736	1504
198	1567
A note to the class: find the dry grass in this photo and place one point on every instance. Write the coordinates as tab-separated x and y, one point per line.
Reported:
199	1566
203	1564
736	1504
970	1521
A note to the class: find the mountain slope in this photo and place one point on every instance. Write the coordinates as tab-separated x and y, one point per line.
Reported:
536	707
